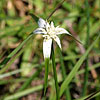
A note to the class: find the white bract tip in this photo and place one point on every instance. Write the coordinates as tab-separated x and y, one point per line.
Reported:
41	23
62	31
58	41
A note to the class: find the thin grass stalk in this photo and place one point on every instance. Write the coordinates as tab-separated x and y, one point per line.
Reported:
10	62
29	80
15	51
4	82
90	96
67	92
55	73
46	75
2	54
15	57
57	7
86	46
97	87
24	92
76	67
35	65
98	79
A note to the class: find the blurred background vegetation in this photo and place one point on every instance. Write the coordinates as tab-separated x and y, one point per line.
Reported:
79	17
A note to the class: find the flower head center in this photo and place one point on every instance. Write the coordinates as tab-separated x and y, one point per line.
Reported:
50	29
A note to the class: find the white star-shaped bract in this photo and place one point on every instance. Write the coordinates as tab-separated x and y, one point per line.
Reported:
49	32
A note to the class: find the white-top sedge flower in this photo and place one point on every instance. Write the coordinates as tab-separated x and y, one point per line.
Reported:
49	33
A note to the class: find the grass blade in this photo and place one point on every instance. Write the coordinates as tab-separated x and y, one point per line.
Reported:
89	97
23	93
29	80
86	46
14	51
55	73
75	69
34	17
55	9
46	75
67	92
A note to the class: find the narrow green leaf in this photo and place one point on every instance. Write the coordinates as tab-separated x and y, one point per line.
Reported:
23	93
86	46
76	39
5	81
90	68
15	57
89	97
9	64
15	51
34	17
46	75
67	92
75	69
57	7
55	73
29	80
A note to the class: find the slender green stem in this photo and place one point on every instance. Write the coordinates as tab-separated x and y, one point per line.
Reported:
46	75
55	73
57	7
8	65
86	46
15	51
15	57
67	92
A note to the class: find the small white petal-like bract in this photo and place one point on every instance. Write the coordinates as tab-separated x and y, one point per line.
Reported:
61	31
40	31
41	23
49	33
47	47
58	41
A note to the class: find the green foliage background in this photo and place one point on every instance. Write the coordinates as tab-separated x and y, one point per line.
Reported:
21	57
